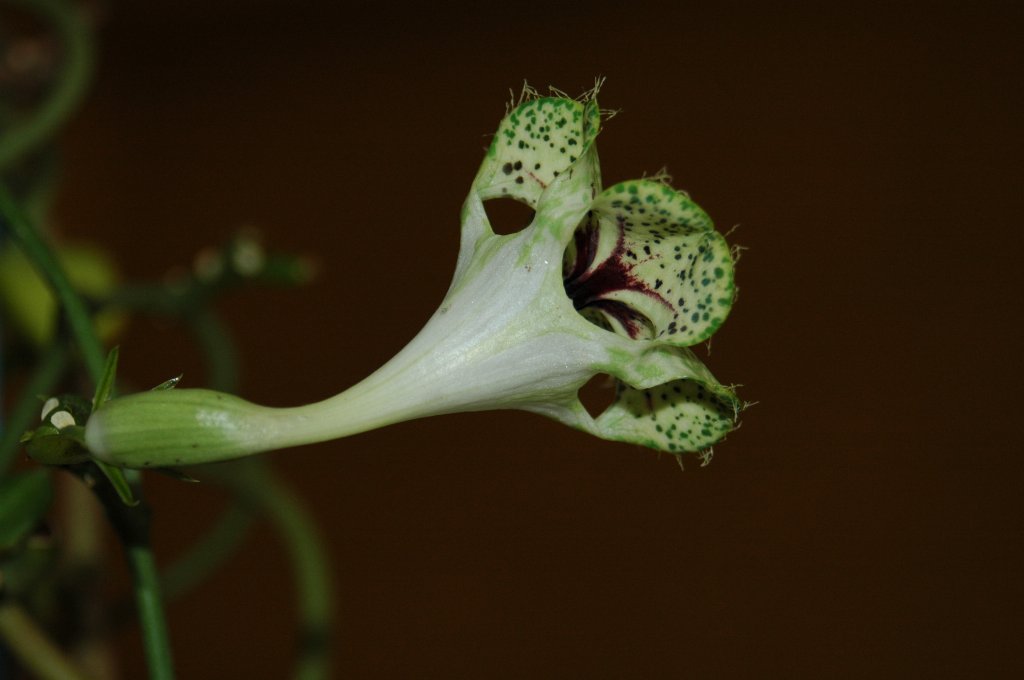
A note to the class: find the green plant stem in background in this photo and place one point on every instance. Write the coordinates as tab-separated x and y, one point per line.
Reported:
132	524
150	609
226	534
219	352
208	553
48	370
79	59
255	484
14	221
82	563
312	580
252	483
191	304
39	197
34	650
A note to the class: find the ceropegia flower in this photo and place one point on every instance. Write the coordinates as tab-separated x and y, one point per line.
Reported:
617	281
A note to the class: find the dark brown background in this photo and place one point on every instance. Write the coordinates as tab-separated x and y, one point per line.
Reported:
867	517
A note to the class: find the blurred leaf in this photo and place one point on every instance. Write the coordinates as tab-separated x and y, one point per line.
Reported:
168	384
287	270
27	299
106	383
24	569
24	499
119	482
175	473
51	446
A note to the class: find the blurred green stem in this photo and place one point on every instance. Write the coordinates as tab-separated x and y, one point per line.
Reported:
254	483
151	616
218	350
192	304
33	649
132	526
208	553
79	59
48	370
14	221
131	523
226	534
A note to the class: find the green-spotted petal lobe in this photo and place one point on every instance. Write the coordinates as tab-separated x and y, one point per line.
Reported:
535	143
651	262
679	416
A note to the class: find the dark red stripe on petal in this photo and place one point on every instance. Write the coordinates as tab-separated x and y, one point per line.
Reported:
586	286
635	324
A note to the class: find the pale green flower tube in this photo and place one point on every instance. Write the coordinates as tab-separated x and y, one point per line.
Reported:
613	282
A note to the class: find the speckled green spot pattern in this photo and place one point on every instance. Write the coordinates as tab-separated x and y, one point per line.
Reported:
678	417
657	258
536	143
682	267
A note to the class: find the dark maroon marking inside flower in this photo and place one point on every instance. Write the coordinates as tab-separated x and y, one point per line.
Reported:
585	239
589	287
627	317
537	180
